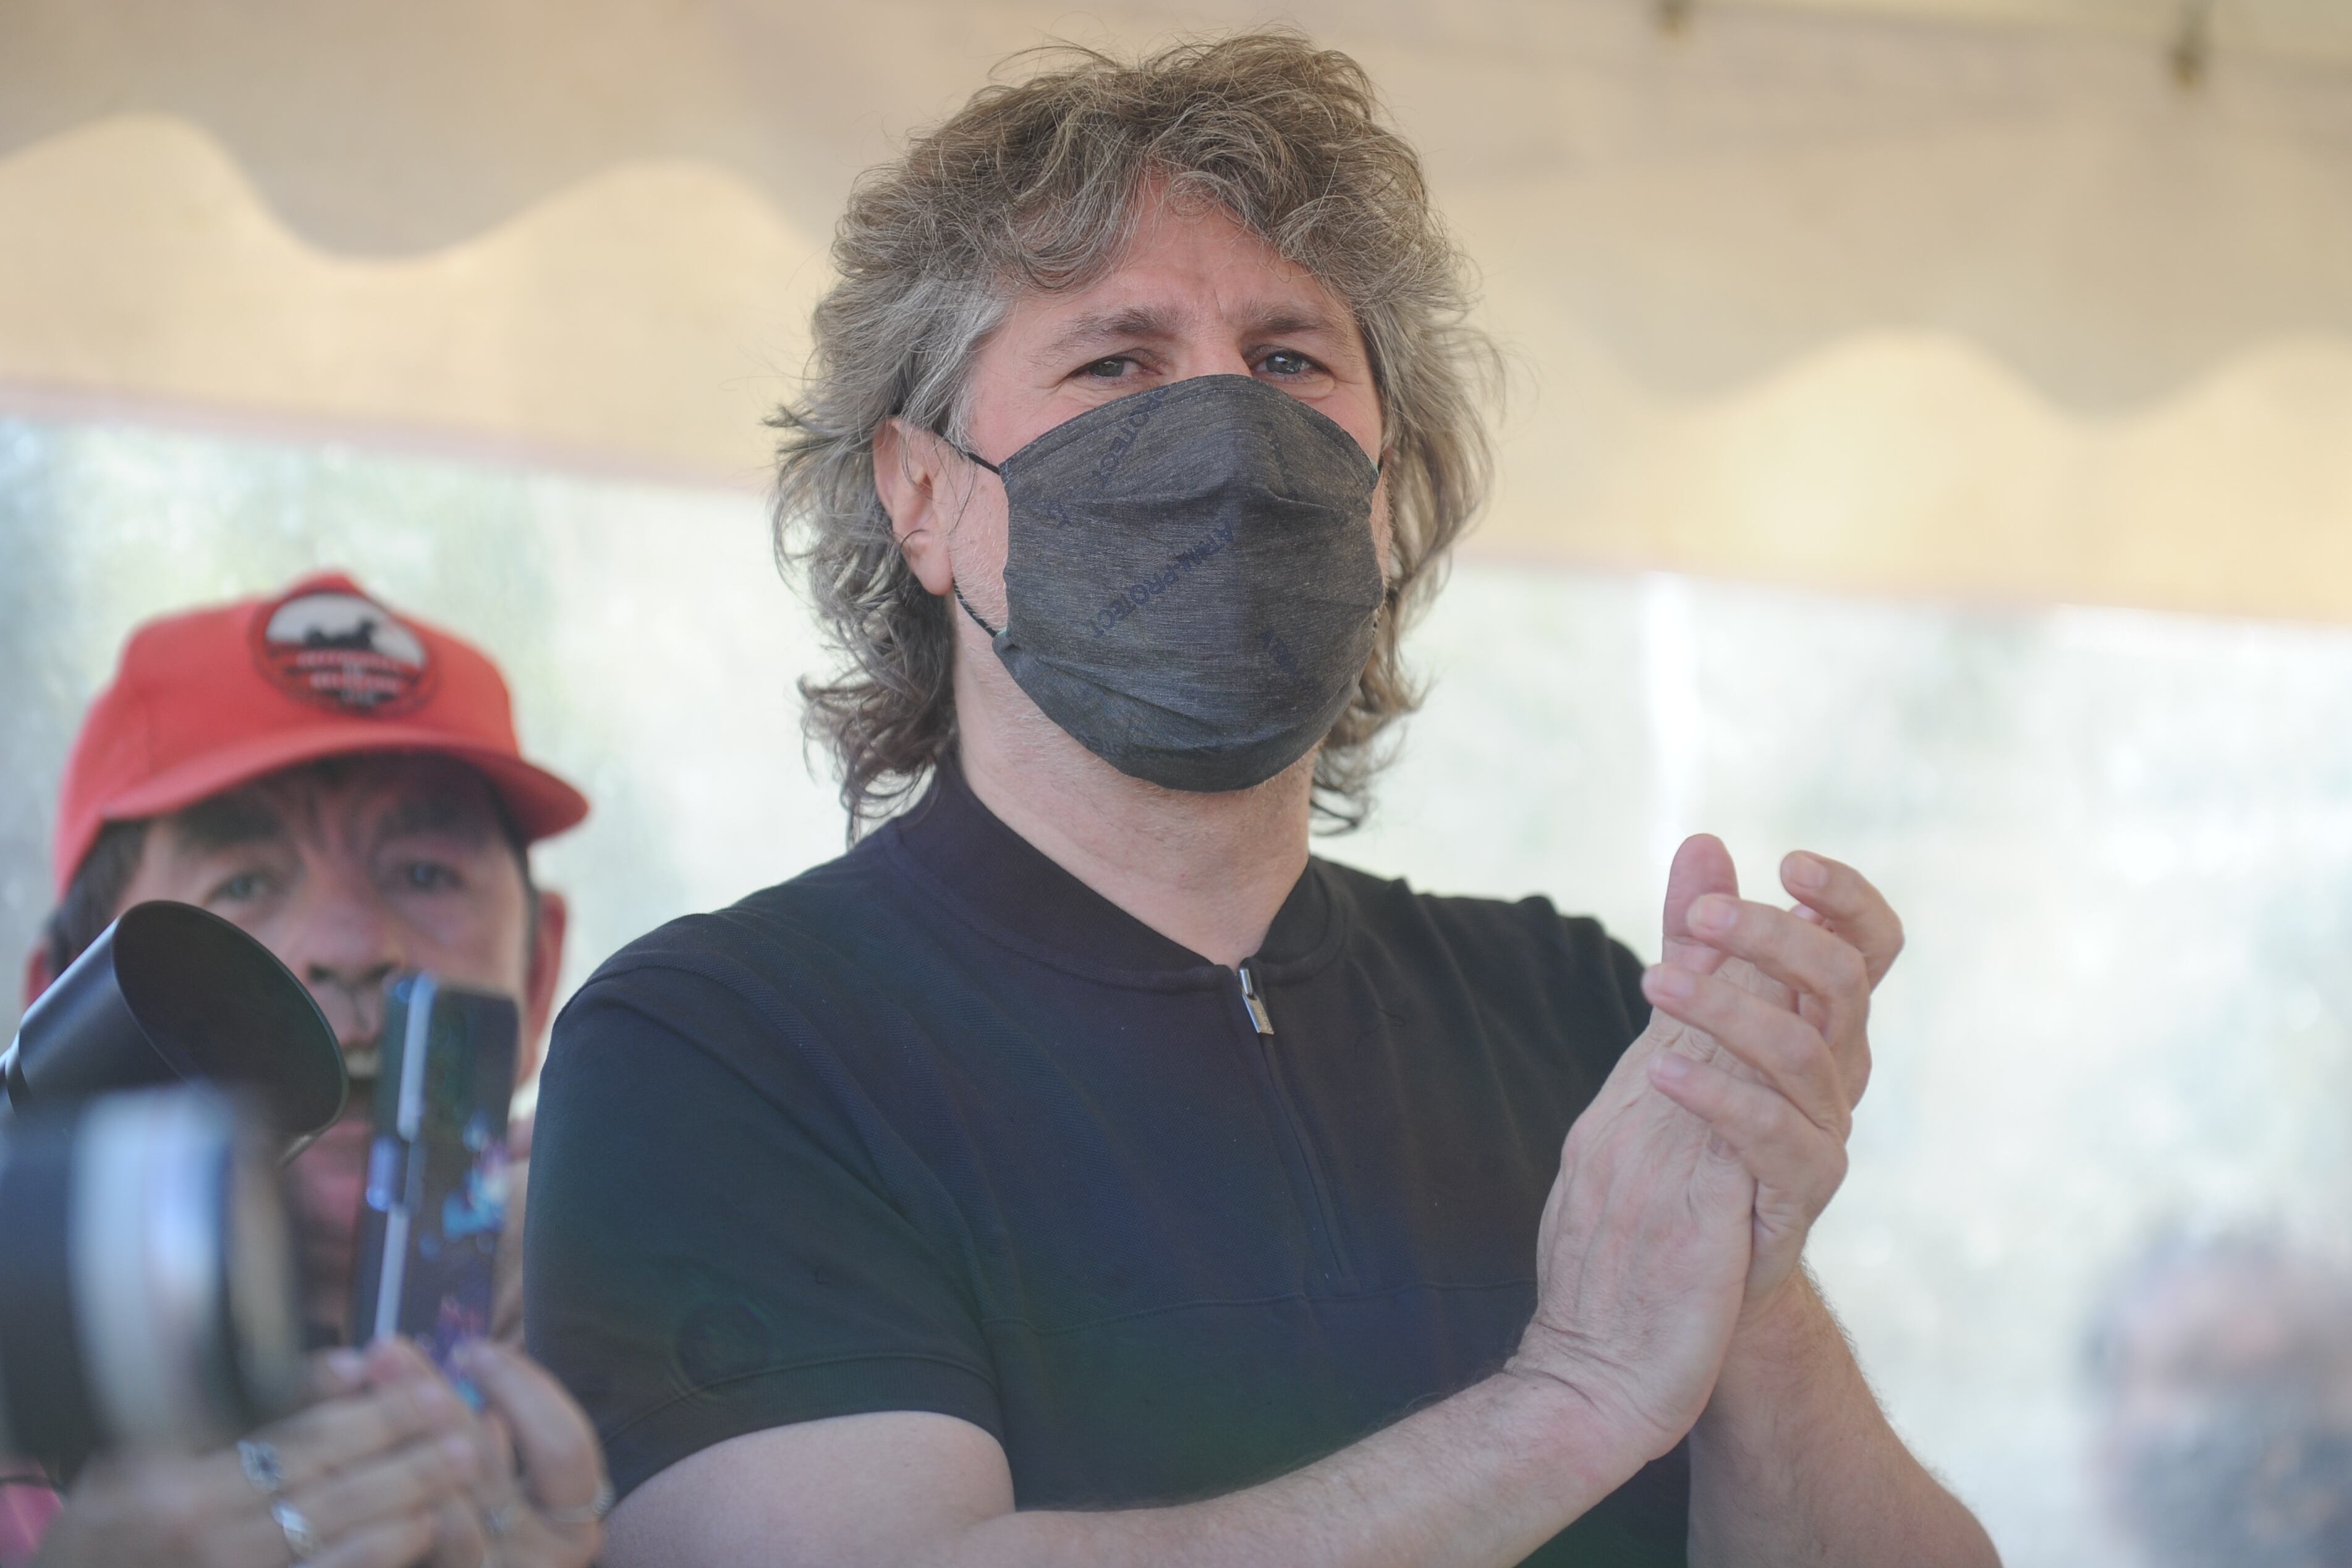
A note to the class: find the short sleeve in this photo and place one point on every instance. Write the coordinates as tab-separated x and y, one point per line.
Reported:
714	1243
1592	981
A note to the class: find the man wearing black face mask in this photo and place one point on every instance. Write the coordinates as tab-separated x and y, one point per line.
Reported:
1077	1170
1196	583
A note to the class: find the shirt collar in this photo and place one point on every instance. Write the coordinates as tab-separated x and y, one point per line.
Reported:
994	879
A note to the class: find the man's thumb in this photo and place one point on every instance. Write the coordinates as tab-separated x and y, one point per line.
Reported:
1701	866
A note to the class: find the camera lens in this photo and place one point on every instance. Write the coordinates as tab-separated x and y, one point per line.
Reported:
171	992
147	1291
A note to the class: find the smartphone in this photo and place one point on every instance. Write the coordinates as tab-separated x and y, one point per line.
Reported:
437	1188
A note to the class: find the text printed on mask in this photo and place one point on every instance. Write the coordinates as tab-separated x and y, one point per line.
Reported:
1140	594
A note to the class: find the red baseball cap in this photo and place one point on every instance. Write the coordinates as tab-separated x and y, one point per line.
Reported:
210	699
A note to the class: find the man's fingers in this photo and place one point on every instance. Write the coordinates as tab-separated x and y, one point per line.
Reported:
331	1374
340	1432
394	1360
1800	954
502	1449
1815	964
1853	908
1788	1053
1783	1150
525	1534
369	1500
1701	866
389	1543
557	1444
460	1539
413	1479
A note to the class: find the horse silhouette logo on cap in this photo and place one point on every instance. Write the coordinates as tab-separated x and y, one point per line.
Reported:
344	651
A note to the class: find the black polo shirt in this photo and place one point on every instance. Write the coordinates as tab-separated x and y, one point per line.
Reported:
936	1127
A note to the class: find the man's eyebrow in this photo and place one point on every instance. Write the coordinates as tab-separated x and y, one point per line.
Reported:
436	814
228	822
1279	319
1128	321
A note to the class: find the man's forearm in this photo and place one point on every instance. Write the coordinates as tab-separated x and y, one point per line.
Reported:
1794	1463
1482	1479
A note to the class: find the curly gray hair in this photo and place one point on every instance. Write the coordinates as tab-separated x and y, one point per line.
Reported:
1032	186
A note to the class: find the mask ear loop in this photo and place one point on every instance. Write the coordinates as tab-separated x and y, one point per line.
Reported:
956	588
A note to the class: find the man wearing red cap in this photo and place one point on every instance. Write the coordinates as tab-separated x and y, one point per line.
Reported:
344	783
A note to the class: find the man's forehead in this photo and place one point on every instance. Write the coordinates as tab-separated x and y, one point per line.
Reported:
1156	287
383	794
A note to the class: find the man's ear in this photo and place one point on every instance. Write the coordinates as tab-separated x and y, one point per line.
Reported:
909	474
37	975
544	968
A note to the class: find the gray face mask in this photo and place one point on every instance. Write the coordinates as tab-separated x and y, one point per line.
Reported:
1189	581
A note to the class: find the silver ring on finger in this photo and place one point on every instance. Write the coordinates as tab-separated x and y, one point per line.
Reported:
301	1538
261	1466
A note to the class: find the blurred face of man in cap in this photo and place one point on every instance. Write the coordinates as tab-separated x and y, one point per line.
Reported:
342	783
354	870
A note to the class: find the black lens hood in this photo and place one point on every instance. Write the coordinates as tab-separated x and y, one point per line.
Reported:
173	992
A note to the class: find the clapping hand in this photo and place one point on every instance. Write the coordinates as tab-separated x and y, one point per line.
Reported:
1687	1187
1761	1031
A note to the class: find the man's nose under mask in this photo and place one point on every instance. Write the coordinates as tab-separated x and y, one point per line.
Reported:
1190	580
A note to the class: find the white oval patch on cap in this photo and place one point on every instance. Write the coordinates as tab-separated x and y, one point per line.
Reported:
343	650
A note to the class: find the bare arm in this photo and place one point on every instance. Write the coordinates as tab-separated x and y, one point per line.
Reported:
1793	1462
1790	1387
1484	1478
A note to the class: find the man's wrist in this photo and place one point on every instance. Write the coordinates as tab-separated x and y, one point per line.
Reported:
1561	1426
1783	1322
1778	1342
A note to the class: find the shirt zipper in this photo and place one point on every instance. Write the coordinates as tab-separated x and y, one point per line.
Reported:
1322	1223
1250	1002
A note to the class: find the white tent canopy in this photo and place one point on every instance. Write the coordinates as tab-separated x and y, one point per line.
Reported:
1966	296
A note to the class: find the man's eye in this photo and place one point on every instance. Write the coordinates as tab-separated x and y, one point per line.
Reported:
425	876
1285	362
244	885
1109	369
